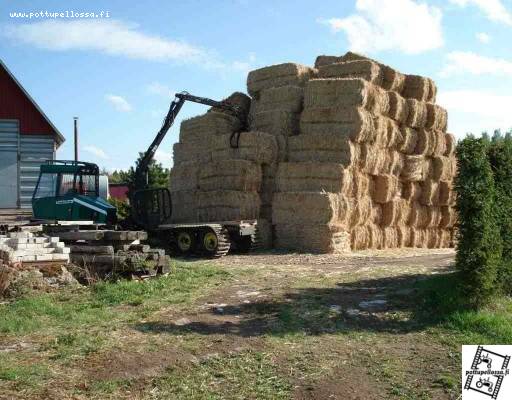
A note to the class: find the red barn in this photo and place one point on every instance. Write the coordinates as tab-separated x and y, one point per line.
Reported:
27	139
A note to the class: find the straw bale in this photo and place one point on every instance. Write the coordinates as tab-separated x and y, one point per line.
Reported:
312	238
264	233
395	212
409	140
376	214
448	217
390	237
372	159
446	238
184	206
451	143
376	237
227	205
345	92
439	147
447	194
276	122
196	150
239	99
434	216
437	117
359	211
392	79
433	237
323	147
360	238
277	75
323	60
354	123
428	142
260	147
429	192
184	176
309	208
419	238
384	188
360	184
284	98
387	132
211	123
398	107
403	235
418	216
368	70
411	191
419	88
417	116
394	163
228	174
313	177
414	169
442	168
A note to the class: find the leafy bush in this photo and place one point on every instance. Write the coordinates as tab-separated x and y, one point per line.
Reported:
479	248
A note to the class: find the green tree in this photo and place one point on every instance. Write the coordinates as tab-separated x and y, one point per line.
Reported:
479	247
500	158
158	176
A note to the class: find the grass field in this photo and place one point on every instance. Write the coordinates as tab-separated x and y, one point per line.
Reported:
257	328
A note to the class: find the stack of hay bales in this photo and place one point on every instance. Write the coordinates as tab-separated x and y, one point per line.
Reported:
211	181
277	99
372	166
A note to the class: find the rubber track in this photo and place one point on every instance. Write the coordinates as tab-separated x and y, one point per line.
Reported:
223	239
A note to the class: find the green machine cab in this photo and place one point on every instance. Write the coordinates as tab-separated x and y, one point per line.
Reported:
69	191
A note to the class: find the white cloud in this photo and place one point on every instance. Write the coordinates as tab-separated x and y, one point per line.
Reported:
483	37
493	9
96	151
476	111
119	103
106	36
159	89
472	63
406	25
164	157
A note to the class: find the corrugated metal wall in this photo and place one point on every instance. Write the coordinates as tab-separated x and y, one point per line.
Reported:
9	147
34	151
18	179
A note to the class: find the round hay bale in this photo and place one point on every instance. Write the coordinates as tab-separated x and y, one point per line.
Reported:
414	168
417	116
398	107
384	188
409	139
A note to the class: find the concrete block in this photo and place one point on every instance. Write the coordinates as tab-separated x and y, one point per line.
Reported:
54	239
44	257
20	246
62	250
59	245
14	241
28	258
60	257
20	235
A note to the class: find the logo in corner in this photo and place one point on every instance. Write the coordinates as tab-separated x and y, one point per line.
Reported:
485	372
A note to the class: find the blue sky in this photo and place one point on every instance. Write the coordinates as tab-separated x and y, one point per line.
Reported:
117	73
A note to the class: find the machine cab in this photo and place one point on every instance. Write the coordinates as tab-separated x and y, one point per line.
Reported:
69	191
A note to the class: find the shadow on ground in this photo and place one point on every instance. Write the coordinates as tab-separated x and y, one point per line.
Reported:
393	304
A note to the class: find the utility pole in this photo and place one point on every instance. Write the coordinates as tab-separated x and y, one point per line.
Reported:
75	121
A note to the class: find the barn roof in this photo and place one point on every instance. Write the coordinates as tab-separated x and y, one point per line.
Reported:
59	138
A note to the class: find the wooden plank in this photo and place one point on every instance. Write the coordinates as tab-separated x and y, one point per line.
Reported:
79	235
144	248
82	259
92	249
116	235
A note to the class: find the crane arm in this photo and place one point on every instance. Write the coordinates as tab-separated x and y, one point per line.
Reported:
141	171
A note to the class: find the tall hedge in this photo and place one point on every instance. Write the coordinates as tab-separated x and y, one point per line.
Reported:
500	158
479	246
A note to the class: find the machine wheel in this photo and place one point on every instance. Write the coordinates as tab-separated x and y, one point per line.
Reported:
245	244
479	384
185	241
215	241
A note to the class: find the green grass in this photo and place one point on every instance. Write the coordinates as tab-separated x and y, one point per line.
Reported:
247	375
27	375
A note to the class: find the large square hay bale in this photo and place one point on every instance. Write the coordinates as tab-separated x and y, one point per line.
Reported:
441	168
309	208
360	211
260	147
315	238
277	75
419	88
228	174
313	177
409	140
411	191
283	98
209	124
353	123
345	92
448	217
365	69
360	184
398	107
417	115
429	192
323	147
184	206
384	188
437	117
450	144
276	122
184	177
361	238
415	168
447	194
196	151
227	205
